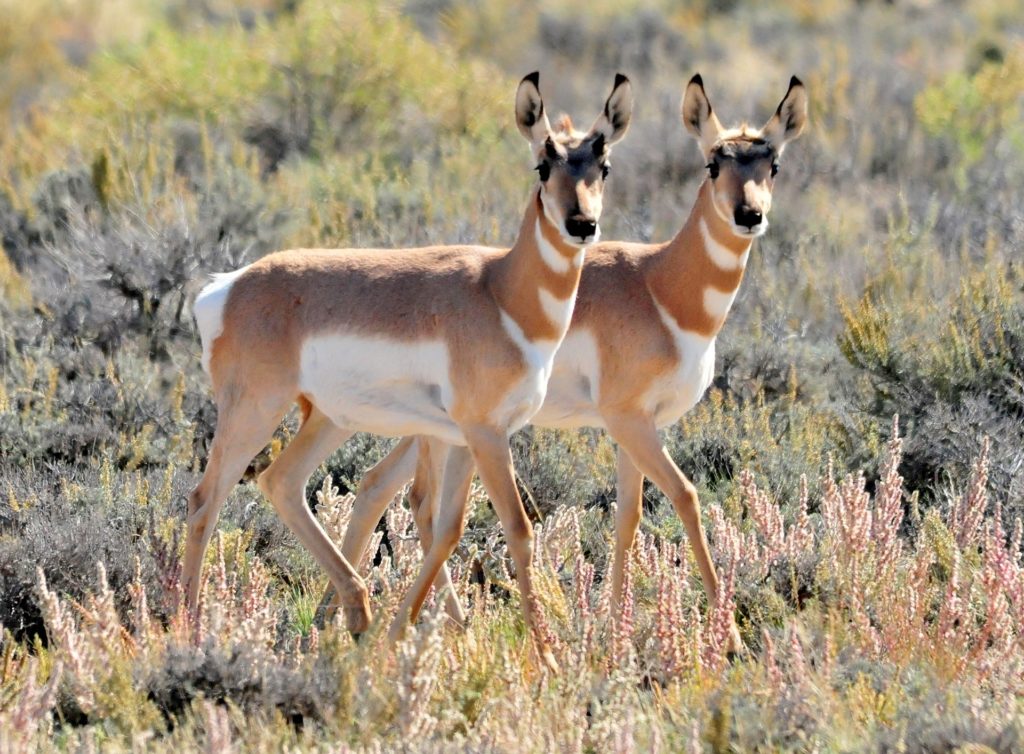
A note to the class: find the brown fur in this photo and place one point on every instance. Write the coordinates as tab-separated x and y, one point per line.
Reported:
452	294
622	286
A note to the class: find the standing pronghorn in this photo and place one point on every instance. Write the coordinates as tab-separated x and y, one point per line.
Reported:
454	342
641	349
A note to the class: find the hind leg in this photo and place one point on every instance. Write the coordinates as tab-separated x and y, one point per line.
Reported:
457	475
284	483
243	428
425	502
378	487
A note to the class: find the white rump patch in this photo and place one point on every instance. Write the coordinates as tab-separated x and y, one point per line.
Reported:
208	310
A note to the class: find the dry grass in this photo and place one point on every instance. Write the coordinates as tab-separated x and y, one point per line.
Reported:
875	571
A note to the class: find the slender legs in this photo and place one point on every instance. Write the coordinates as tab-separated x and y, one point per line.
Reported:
638	436
458	473
425	500
239	437
284	483
494	463
629	487
379	486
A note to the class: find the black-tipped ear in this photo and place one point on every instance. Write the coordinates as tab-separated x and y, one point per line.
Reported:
698	115
530	115
618	110
790	116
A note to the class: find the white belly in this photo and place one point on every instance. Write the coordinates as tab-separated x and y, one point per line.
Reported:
522	402
672	396
573	400
675	394
572	394
387	387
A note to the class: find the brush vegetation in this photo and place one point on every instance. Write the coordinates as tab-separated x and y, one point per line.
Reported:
874	565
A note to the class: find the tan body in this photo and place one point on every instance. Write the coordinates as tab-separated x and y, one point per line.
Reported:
453	341
639	354
318	324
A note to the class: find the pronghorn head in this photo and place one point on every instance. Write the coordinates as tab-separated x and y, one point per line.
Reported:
742	162
573	165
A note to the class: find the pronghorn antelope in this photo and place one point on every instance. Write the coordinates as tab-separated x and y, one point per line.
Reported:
454	342
641	348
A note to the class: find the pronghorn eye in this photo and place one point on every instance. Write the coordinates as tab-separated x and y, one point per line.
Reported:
712	169
775	169
545	171
605	170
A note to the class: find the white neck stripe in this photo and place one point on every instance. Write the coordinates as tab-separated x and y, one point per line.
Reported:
552	257
557	310
723	257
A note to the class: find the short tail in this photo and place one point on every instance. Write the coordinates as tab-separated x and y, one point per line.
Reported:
209	310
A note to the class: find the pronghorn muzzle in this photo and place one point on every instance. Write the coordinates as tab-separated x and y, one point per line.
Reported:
748	217
581	227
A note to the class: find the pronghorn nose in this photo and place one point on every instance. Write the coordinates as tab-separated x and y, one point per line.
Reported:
581	227
748	217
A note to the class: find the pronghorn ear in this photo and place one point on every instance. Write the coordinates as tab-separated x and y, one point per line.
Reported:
790	117
530	115
613	122
698	117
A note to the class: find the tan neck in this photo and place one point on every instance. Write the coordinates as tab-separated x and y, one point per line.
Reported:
698	271
528	287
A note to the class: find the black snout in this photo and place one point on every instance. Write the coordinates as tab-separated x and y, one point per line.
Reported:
580	227
747	217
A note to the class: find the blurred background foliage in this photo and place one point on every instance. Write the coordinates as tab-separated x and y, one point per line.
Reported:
145	143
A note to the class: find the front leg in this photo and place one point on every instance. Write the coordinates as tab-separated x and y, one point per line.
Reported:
639	437
490	450
628	511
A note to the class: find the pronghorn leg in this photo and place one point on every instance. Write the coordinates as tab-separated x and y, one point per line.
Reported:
639	437
425	502
494	464
284	483
243	429
458	473
630	483
378	487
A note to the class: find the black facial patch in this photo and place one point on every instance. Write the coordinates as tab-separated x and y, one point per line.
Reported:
744	151
551	150
578	156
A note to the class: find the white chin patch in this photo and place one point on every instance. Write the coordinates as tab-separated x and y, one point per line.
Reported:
745	232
